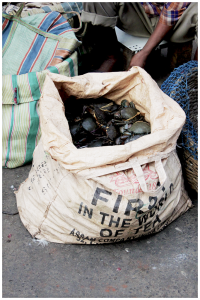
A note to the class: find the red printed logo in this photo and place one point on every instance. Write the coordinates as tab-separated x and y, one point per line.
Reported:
123	180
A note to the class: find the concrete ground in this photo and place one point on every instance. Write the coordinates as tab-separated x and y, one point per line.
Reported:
163	265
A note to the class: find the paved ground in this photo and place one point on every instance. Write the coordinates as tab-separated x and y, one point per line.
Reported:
163	265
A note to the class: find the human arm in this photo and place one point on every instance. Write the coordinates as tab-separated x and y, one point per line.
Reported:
139	59
170	14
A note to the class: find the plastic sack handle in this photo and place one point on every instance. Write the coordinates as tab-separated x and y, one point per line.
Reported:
18	14
79	18
141	179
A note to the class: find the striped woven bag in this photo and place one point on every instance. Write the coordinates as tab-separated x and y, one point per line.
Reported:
32	46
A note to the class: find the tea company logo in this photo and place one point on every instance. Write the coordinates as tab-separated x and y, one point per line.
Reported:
123	180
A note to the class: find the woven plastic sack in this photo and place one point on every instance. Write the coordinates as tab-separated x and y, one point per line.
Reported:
32	47
107	194
67	9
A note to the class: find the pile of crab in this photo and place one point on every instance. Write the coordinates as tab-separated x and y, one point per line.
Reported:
101	122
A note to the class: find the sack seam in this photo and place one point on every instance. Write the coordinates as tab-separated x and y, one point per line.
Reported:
48	208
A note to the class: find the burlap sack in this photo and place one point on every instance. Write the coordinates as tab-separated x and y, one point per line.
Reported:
106	194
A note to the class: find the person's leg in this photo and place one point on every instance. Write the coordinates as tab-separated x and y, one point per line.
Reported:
180	39
128	16
100	35
103	17
182	36
185	29
100	13
133	19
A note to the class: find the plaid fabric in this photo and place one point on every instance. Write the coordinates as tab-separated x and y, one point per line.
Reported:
29	53
169	12
38	8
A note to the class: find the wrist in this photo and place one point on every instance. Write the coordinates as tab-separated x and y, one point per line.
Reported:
146	51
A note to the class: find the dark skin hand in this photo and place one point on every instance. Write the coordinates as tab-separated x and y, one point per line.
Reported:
139	59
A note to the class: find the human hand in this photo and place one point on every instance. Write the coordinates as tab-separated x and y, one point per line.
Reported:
139	60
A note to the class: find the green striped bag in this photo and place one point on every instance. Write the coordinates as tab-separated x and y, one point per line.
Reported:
21	88
20	121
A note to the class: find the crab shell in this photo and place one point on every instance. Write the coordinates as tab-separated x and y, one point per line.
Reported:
140	127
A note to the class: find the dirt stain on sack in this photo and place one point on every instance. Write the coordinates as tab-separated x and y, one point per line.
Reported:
124	285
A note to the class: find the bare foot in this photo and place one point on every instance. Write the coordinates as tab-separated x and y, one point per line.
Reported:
107	65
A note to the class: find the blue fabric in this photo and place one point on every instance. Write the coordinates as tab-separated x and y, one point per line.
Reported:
46	9
6	31
60	28
72	6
